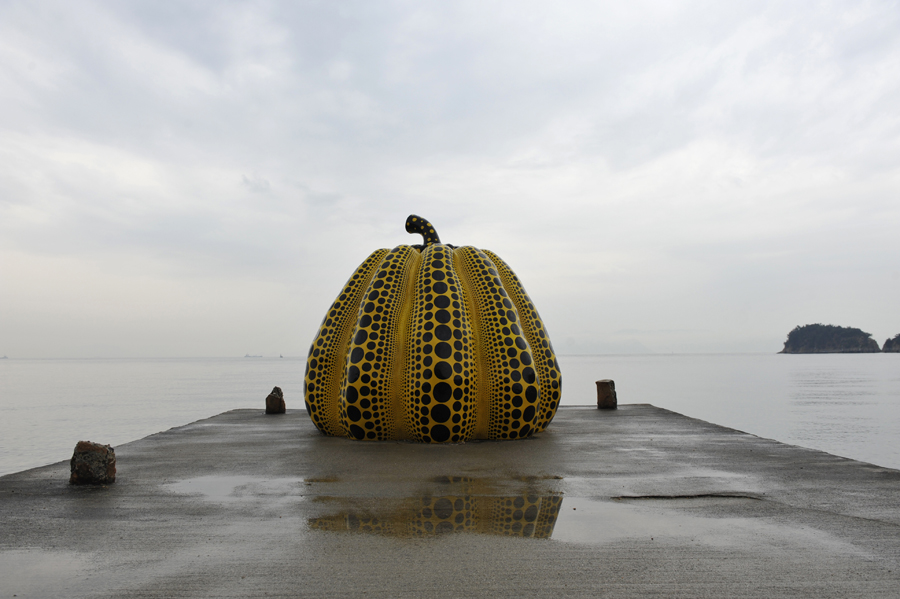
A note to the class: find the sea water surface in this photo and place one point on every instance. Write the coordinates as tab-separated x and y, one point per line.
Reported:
845	404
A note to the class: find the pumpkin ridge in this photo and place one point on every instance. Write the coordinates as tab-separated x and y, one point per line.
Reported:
542	350
322	380
440	379
480	364
401	428
366	389
511	385
491	387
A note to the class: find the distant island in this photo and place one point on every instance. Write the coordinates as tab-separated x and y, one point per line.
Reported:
829	339
892	345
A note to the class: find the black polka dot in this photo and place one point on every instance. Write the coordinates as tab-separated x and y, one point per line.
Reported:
439	433
440	413
443	370
529	375
442	392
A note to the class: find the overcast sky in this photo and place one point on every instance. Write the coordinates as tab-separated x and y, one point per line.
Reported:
200	178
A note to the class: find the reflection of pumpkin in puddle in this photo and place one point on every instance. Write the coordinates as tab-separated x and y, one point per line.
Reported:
519	516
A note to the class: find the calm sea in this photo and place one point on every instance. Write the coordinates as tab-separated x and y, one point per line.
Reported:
844	404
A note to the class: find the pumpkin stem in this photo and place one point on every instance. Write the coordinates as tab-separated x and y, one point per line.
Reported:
417	224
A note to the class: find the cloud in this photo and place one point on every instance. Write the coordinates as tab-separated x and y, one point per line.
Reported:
710	168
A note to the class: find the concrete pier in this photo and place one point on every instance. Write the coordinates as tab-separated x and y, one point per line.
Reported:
634	502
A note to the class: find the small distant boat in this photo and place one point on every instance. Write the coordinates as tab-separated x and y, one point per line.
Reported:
249	356
279	355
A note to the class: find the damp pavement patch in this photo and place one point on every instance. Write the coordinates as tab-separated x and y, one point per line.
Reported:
635	502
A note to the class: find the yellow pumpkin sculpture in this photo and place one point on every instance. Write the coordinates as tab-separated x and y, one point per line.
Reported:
432	343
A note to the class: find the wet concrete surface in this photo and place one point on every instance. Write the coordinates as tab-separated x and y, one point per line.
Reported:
634	502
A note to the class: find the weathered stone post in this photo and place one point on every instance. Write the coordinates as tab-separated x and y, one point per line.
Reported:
92	464
606	395
275	402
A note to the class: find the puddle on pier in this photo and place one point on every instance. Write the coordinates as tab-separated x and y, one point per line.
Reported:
540	511
514	507
229	489
717	521
453	505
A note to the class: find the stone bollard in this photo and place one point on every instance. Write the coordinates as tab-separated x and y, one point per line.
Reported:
606	395
275	402
93	464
